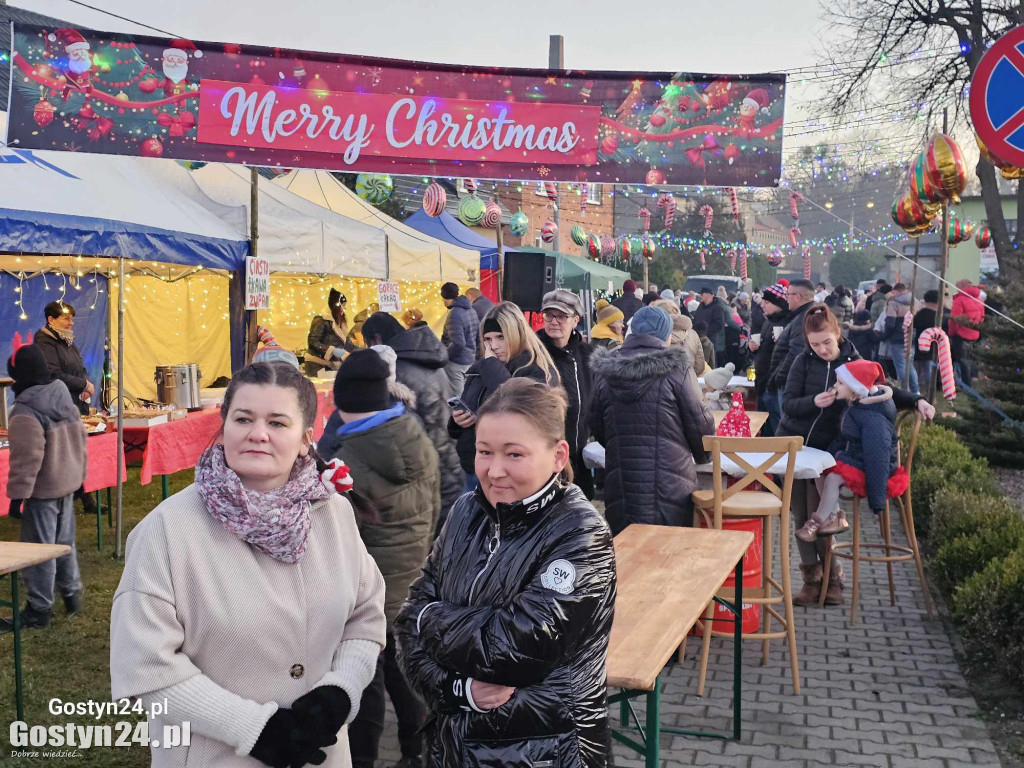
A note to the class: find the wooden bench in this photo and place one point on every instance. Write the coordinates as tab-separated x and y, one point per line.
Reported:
14	556
666	577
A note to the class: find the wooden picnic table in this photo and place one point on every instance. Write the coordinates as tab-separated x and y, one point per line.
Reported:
666	577
757	420
14	556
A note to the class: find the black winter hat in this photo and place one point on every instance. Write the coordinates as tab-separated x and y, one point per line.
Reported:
382	325
27	367
362	383
449	291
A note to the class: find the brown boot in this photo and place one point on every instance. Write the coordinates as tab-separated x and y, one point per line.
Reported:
811	590
834	593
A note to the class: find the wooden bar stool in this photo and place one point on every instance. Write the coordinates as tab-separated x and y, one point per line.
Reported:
892	553
734	501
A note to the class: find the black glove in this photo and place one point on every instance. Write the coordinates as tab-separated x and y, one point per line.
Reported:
322	712
283	743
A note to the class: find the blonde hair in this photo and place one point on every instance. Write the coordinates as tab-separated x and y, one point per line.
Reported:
543	406
669	306
519	337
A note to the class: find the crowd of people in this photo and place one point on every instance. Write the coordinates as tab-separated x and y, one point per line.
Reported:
439	545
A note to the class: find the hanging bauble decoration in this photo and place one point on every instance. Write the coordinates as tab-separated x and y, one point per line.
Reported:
649	248
151	147
654	177
1009	172
983	237
921	184
594	246
625	249
43	112
472	210
434	200
912	214
609	144
548	231
492	216
954	231
607	246
518	224
732	153
470	185
968	231
374	188
775	257
577	235
946	166
149	85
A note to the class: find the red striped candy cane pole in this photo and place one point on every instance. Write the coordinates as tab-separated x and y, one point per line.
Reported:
924	343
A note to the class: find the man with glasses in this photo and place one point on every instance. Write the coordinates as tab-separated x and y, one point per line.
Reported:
791	342
562	312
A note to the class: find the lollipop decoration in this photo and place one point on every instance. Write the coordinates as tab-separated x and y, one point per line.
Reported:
374	188
625	249
607	246
668	202
472	210
492	216
774	257
594	246
577	235
983	237
434	200
709	215
941	340
470	185
644	214
518	224
548	231
946	166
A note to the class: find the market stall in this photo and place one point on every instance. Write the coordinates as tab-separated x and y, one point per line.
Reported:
446	227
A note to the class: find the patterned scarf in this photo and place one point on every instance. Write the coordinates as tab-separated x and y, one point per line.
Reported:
67	336
275	522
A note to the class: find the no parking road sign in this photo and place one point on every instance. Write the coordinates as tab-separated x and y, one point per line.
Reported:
997	98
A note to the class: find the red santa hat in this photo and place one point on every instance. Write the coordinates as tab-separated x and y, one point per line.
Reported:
758	98
182	47
69	39
860	376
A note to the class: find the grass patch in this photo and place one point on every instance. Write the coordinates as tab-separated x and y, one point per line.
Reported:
70	660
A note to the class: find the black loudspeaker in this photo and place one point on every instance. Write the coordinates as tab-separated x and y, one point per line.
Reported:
527	277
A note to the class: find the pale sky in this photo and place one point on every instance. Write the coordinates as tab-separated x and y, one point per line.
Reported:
725	36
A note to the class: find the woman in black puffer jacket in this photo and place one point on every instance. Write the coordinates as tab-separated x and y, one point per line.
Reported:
648	413
505	633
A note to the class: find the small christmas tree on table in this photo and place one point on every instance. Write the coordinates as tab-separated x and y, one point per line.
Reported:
1000	380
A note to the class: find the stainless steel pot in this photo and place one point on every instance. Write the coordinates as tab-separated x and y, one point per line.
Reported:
178	385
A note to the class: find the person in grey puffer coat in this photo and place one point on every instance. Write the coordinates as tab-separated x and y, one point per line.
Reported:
420	367
649	415
47	465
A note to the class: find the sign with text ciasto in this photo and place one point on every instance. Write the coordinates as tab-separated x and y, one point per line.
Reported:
194	101
257	283
388	297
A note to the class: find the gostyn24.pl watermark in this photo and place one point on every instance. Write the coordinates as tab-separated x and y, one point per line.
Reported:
69	737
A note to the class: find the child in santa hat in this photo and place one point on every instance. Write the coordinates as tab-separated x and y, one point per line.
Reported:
866	451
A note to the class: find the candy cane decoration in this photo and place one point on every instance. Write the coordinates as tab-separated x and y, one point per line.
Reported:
470	185
551	190
709	214
584	192
734	201
668	202
743	264
703	259
938	337
908	323
732	262
794	235
795	198
644	214
807	263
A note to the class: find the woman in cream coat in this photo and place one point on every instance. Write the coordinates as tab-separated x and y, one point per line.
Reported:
248	601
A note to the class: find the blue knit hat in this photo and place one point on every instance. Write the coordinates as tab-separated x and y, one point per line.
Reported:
652	321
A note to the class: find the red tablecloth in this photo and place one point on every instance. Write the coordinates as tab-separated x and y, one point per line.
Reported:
101	471
177	445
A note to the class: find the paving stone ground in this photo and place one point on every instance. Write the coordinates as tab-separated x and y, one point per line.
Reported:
884	693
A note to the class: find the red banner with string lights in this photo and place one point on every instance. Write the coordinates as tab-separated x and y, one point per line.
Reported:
79	90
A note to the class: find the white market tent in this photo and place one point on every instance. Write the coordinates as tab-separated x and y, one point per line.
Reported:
412	255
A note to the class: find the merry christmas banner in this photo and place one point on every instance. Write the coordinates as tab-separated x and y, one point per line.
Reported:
82	91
